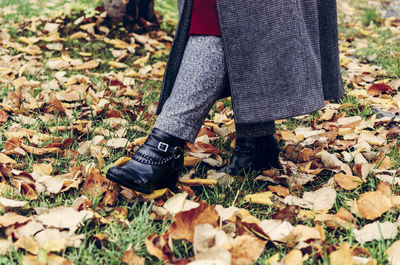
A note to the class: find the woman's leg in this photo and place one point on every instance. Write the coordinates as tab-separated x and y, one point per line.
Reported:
200	81
255	130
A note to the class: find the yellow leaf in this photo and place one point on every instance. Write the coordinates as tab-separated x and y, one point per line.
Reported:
259	198
154	195
85	54
88	65
132	92
142	60
199	182
342	256
139	141
6	159
87	26
122	161
191	161
273	259
294	257
117	64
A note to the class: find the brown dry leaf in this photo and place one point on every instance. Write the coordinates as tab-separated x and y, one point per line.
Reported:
347	182
95	182
376	231
185	222
373	204
259	198
9	203
342	256
3	116
158	246
294	257
279	190
384	163
27	243
64	217
246	249
131	258
5	246
41	151
393	253
302	233
4	159
306	154
43	169
9	219
323	198
276	229
341	219
88	65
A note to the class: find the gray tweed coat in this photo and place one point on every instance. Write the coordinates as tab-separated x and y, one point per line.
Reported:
282	56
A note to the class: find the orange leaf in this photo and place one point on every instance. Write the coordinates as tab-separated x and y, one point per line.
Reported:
185	222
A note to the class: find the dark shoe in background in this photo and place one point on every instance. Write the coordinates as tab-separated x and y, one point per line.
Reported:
253	153
156	164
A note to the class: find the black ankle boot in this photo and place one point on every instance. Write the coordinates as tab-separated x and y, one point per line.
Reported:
156	164
254	153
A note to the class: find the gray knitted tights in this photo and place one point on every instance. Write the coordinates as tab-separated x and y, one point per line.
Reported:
201	79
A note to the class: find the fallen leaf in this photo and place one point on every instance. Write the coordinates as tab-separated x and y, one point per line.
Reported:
64	217
321	199
88	65
373	204
294	257
179	203
279	190
131	258
393	253
246	249
347	182
185	222
9	203
4	159
199	182
276	229
259	198
342	256
43	169
376	231
9	219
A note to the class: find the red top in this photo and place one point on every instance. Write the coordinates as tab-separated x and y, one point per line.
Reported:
204	18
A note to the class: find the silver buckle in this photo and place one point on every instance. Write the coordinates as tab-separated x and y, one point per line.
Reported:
163	147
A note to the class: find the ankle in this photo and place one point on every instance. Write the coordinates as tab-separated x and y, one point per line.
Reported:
167	138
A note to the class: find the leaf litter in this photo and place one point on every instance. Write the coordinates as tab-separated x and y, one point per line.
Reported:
82	115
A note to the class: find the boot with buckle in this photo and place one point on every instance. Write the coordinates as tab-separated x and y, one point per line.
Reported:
253	153
156	164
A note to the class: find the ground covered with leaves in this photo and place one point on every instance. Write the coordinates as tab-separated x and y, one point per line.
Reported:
78	95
